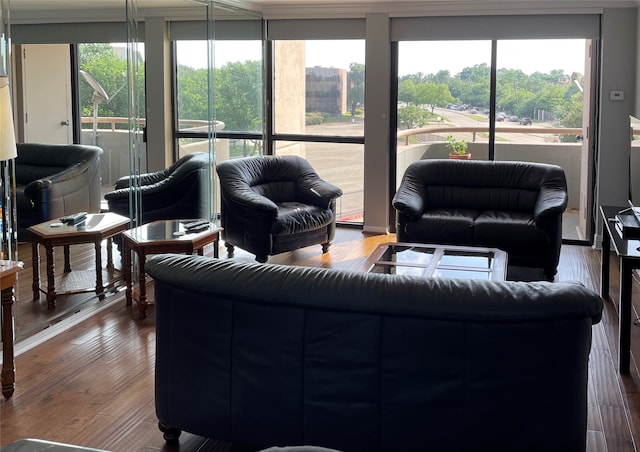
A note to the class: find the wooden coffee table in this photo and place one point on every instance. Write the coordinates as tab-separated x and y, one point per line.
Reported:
96	228
164	236
438	261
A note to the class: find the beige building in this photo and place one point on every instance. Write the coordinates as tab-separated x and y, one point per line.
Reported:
326	90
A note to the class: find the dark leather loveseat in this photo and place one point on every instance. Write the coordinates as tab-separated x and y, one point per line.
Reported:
513	206
53	180
275	355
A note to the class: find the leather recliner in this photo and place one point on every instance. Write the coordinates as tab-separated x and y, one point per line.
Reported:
177	192
54	180
275	204
513	206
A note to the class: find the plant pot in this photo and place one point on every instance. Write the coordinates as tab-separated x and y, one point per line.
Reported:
466	156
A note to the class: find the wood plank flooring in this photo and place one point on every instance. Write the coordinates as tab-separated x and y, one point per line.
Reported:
92	384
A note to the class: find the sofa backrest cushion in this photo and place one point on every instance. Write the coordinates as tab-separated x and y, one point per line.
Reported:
484	185
274	177
40	161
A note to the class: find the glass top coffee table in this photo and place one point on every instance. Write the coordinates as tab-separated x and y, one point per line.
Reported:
438	261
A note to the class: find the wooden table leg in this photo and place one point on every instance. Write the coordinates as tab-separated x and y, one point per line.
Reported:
99	285
8	376
604	257
126	269
142	281
624	316
51	280
109	253
216	252
67	259
35	257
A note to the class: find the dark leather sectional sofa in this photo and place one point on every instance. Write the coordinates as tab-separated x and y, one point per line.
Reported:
514	206
270	355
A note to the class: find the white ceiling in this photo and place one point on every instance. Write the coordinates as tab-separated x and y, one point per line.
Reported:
41	10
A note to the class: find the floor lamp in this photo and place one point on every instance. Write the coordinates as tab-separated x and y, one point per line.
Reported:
8	152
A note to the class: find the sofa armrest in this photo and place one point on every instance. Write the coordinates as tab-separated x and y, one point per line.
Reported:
318	192
32	189
551	201
246	199
143	179
410	198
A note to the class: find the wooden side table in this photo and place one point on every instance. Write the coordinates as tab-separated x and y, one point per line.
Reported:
95	229
8	271
163	236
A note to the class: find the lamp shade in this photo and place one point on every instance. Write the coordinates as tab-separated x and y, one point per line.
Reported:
8	148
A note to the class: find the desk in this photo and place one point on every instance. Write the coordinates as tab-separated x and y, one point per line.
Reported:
95	229
8	271
629	255
163	236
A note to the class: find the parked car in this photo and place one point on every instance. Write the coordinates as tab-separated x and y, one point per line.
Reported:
526	121
473	111
514	119
499	117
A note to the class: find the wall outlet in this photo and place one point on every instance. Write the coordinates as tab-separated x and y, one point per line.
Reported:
616	95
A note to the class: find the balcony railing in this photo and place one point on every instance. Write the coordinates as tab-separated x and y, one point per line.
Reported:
407	133
114	141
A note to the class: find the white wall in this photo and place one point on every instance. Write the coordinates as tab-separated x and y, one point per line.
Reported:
618	73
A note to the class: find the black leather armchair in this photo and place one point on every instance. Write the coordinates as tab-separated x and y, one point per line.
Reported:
275	204
54	180
513	206
177	192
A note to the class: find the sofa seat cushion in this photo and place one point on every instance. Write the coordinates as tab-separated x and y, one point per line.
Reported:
450	226
508	229
295	217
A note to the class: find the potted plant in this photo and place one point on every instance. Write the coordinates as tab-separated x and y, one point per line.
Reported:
458	149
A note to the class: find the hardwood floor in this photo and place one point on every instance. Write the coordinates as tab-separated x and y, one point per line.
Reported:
92	384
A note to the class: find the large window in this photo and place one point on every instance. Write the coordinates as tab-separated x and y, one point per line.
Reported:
447	94
104	104
319	112
237	94
540	93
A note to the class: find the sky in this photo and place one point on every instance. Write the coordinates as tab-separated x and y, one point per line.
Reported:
426	57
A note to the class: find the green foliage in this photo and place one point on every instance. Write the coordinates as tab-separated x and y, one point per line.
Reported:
237	89
314	119
110	70
355	83
411	116
426	93
457	146
516	92
237	93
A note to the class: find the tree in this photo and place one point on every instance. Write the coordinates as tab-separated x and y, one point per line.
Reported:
109	69
434	95
411	116
407	91
238	96
355	80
